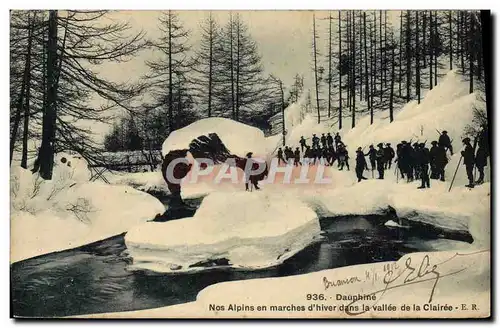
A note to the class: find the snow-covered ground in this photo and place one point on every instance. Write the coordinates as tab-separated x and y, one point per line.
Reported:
250	230
69	211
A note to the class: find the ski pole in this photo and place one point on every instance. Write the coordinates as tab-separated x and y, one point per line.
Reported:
454	175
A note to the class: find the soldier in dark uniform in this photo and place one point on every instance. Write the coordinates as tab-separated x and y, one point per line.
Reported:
389	155
308	155
406	160
413	166
302	143
432	159
440	161
399	148
422	155
380	160
280	156
372	155
444	140
337	139
323	140
482	153
315	141
329	140
360	164
332	154
296	157
468	155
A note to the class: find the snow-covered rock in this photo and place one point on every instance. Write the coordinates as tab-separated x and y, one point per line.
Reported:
250	230
239	138
68	211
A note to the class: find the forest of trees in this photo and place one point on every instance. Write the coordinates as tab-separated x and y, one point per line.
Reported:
368	65
373	65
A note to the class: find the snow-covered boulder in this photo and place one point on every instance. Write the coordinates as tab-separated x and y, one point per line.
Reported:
238	229
63	213
238	138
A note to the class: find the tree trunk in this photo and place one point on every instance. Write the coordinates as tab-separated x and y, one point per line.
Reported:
381	55
471	53
210	64
424	44
400	71
233	112
238	46
24	158
340	73
46	155
391	97
372	64
170	87
431	52
316	67
353	81
360	68
462	37
417	59
408	57
435	46
450	46
367	92
385	49
329	64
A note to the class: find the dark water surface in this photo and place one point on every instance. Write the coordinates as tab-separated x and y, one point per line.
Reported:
94	278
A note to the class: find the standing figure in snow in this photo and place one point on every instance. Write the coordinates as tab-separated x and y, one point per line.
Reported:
329	140
337	139
380	156
444	140
406	154
280	156
302	143
323	140
432	159
360	164
315	142
389	155
414	165
372	155
331	155
308	155
468	155
422	161
341	153
440	161
482	153
399	158
296	157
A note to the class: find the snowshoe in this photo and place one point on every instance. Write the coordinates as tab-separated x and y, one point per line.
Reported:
421	187
479	182
470	186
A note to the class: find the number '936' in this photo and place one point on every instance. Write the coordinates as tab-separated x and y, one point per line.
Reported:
315	297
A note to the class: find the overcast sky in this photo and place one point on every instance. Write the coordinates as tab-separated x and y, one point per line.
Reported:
284	39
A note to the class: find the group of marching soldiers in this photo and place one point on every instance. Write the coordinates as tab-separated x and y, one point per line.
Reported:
325	149
414	161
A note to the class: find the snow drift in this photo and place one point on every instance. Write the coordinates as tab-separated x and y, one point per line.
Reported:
249	230
69	211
